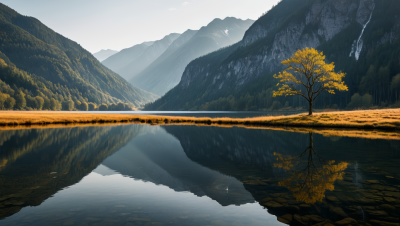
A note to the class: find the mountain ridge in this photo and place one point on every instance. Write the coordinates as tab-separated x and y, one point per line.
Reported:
125	56
104	54
40	62
147	57
240	77
163	75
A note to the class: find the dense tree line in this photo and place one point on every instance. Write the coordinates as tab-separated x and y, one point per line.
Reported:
28	92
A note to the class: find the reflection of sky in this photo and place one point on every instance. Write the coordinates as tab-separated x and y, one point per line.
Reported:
116	192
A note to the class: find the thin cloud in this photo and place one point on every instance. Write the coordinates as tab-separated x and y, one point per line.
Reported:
185	3
172	9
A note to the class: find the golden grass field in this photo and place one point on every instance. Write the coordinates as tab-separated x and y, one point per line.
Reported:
380	124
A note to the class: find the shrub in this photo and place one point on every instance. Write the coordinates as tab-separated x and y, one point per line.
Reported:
103	107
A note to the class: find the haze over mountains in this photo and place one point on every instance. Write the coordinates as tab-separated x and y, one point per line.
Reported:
165	73
360	36
104	54
145	58
38	64
125	56
158	66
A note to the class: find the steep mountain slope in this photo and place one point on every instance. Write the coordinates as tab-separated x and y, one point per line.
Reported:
147	57
165	73
36	61
104	54
125	56
360	36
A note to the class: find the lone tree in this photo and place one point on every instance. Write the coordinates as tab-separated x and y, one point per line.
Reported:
307	69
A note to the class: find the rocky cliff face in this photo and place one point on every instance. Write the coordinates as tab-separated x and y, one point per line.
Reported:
319	23
351	33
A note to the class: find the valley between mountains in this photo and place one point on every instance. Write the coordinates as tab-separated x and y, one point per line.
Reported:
228	64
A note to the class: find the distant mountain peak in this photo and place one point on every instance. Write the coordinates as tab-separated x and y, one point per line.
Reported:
104	54
240	77
165	72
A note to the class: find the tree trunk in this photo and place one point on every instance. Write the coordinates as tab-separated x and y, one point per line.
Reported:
310	108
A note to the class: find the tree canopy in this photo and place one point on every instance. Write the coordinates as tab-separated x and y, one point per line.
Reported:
308	75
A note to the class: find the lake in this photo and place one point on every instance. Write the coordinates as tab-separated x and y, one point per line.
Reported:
188	175
210	114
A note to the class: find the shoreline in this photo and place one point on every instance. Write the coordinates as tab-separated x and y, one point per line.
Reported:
388	119
372	124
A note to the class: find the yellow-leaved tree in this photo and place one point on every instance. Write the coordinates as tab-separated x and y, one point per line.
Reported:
308	75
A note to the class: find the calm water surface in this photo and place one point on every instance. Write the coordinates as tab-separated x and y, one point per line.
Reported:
210	114
188	175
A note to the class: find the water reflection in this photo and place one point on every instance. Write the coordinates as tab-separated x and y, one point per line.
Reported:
325	191
158	157
38	163
310	174
188	175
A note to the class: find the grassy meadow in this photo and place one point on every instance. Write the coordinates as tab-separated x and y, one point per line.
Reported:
373	124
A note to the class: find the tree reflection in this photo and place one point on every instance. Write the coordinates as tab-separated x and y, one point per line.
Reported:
310	174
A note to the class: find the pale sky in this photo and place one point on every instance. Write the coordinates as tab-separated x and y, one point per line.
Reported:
119	24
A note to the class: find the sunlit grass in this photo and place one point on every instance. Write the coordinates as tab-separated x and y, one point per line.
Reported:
349	123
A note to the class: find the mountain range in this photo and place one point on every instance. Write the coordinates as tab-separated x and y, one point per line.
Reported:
104	54
40	69
165	72
360	36
150	52
125	56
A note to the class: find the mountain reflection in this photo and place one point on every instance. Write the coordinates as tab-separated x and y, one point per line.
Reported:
310	174
158	157
303	179
37	163
310	181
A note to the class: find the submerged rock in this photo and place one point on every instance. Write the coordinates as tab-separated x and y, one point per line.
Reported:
337	212
347	221
273	204
286	217
383	223
333	199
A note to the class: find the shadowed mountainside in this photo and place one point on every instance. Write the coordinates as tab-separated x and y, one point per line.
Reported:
37	61
360	36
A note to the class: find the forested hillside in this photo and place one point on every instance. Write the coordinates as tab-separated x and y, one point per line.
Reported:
40	69
362	38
